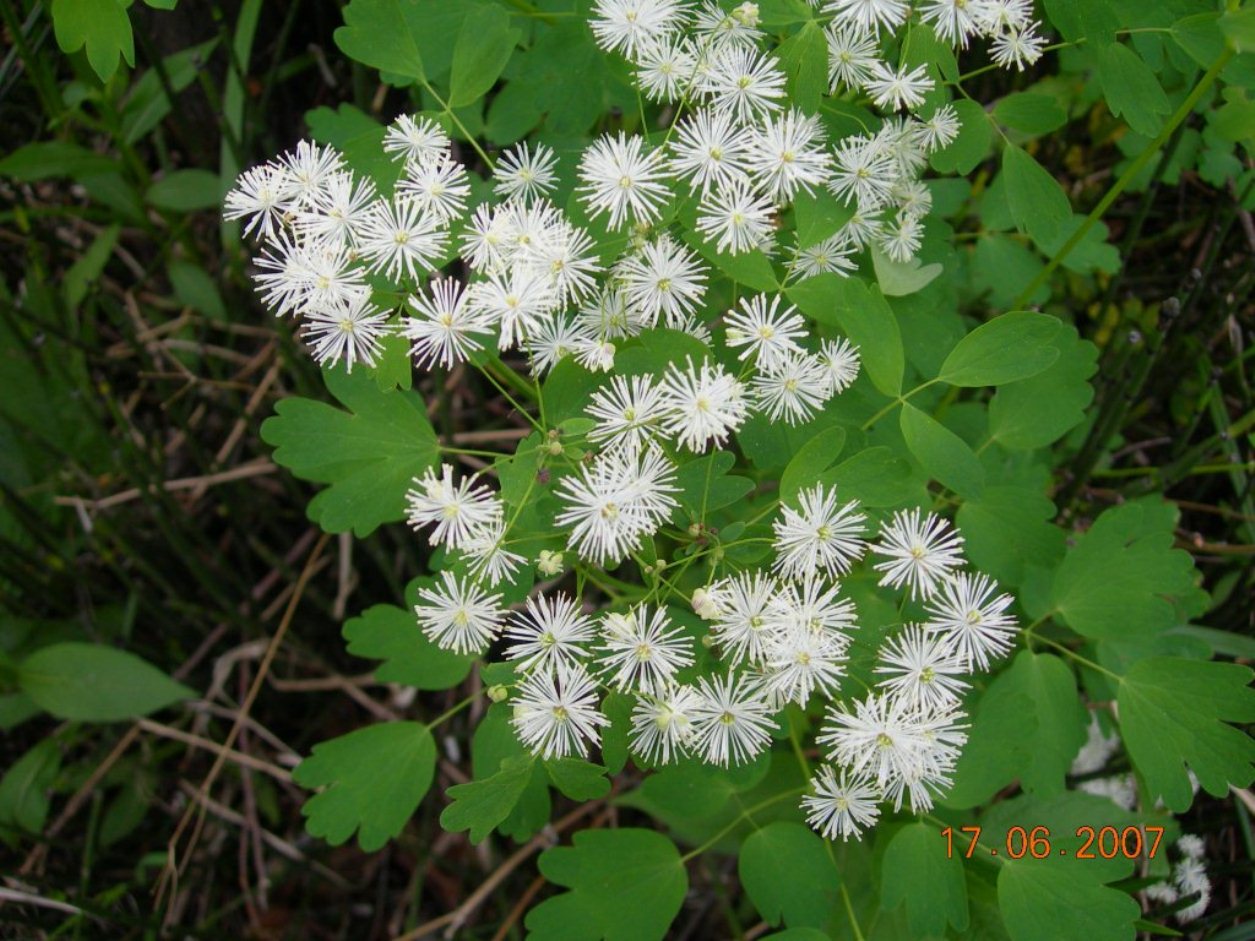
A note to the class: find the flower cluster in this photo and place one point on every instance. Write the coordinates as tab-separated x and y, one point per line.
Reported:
532	283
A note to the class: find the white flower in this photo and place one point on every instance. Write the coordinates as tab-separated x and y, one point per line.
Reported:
732	720
309	167
555	712
710	149
870	15
516	299
526	172
285	273
736	217
742	82
940	129
864	173
595	355
1120	789
740	614
629	412
840	358
350	330
617	501
337	213
665	69
719	29
1018	48
621	177
953	20
903	88
921	552
996	15
862	228
793	388
786	155
932	775
565	256
852	51
439	186
1096	751
262	195
628	26
814	607
457	511
881	735
831	256
413	141
486	238
705	404
609	315
662	726
485	550
663	279
1190	877
800	661
445	328
822	536
399	237
843	804
549	633
549	563
922	668
967	610
642	651
554	339
459	615
901	240
762	331
1192	846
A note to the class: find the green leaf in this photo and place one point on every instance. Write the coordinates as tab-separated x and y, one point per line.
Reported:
626	885
704	485
383	34
372	780
915	870
818	215
479	806
493	746
1048	902
999	745
875	477
963	154
1006	531
864	315
749	269
577	779
368	454
360	138
25	785
902	278
1030	112
194	287
87	267
1039	411
148	102
391	634
1084	20
1123	577
1014	346
483	47
1174	715
786	871
804	56
44	159
95	683
1131	89
811	460
1239	28
100	25
944	455
186	191
1048	684
1037	202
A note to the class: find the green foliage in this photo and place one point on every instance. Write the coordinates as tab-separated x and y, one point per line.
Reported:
864	316
101	26
944	455
625	885
483	47
480	806
1123	577
368	454
1173	715
371	781
95	683
391	634
930	883
1009	348
789	876
1038	205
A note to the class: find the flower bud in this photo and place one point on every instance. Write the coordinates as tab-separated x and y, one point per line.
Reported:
549	563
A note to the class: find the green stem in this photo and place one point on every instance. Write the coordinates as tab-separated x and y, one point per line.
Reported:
470	138
1127	177
743	815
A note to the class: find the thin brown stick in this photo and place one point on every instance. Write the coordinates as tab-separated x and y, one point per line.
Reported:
253	469
230	754
173	868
